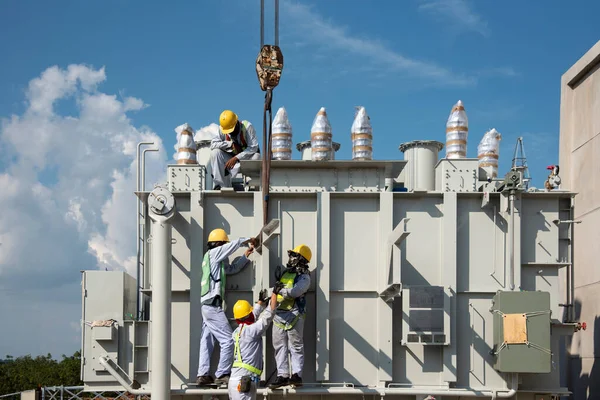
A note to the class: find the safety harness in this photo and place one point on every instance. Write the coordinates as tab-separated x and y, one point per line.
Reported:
207	276
286	304
243	145
238	356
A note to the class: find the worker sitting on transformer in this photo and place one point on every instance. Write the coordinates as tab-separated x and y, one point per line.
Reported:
288	324
248	352
215	268
236	141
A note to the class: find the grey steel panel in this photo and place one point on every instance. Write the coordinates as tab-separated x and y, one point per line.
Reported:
354	243
539	234
457	175
106	295
181	251
186	178
482	236
421	250
475	341
353	330
545	279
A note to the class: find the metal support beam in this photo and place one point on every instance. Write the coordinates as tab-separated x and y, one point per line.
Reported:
391	285
161	204
323	279
197	227
388	283
448	266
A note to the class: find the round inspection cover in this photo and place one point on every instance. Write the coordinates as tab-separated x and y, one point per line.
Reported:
161	201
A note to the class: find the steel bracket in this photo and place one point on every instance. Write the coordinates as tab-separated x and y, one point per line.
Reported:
392	291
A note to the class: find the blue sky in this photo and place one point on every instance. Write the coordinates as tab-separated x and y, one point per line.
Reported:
131	70
406	61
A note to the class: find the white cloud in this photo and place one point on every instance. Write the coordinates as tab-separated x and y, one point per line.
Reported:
67	191
55	84
68	187
457	13
207	133
134	104
374	55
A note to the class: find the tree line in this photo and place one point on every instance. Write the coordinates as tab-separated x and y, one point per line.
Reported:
26	373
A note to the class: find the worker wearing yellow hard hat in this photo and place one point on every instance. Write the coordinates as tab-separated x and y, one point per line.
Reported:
215	268
288	325
236	141
248	350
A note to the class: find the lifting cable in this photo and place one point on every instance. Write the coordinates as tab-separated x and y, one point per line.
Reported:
269	65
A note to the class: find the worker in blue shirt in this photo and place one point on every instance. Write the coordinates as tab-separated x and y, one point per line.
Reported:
215	326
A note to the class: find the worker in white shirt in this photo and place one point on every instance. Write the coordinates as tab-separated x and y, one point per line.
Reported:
236	141
215	326
248	354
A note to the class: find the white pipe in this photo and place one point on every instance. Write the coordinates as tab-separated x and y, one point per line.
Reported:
511	241
161	309
137	224
144	166
161	205
142	274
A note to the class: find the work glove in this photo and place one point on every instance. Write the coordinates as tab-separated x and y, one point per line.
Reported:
263	296
277	288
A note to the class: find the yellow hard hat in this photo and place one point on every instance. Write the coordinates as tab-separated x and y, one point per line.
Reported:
218	235
241	309
228	120
304	251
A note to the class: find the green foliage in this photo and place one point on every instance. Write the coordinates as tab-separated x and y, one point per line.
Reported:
26	373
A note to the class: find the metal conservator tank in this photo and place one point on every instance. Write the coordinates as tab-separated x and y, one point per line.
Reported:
403	284
423	156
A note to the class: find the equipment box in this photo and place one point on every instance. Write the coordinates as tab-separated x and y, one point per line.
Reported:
522	332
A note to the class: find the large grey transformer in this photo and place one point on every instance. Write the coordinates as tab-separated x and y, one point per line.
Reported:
425	280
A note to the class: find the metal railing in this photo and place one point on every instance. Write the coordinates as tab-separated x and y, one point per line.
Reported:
78	393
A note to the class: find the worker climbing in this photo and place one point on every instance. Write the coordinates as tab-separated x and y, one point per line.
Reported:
236	141
288	325
215	268
248	352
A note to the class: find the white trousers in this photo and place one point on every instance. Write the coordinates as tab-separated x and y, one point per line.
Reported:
218	159
289	341
215	327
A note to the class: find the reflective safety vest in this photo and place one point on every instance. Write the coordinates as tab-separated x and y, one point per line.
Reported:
207	276
286	304
237	355
287	279
238	148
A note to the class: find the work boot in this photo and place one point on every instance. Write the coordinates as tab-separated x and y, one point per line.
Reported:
217	187
222	380
204	380
295	380
279	382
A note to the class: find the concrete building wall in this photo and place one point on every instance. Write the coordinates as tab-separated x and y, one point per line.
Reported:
580	172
